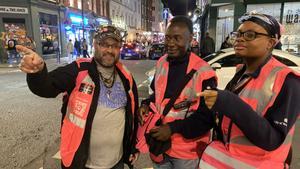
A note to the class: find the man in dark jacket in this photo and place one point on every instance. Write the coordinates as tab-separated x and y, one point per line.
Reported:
100	89
208	46
77	47
11	50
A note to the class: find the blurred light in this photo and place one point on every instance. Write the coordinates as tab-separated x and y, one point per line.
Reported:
76	19
194	18
68	27
190	13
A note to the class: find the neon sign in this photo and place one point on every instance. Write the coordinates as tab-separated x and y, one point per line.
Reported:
76	19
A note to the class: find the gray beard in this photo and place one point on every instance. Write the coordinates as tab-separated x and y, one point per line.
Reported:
98	60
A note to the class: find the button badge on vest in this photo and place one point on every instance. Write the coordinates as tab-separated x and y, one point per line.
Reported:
86	88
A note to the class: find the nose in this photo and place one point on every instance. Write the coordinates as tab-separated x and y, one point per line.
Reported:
239	39
109	48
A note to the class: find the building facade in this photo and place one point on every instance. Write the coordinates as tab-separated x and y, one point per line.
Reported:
82	18
158	24
38	20
224	14
157	20
51	23
126	15
147	18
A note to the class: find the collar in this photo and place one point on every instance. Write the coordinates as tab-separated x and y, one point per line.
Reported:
179	60
257	71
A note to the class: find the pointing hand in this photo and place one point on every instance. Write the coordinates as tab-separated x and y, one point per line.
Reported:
31	62
210	97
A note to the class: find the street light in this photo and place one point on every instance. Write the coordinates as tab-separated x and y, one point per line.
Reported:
190	13
82	16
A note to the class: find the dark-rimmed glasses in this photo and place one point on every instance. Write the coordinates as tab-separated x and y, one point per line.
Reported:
247	35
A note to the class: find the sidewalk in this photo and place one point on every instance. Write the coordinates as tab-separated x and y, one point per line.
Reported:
51	64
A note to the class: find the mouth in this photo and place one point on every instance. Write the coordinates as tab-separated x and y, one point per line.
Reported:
172	50
108	56
239	47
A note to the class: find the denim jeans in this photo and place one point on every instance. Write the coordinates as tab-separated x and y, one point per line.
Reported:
12	57
175	163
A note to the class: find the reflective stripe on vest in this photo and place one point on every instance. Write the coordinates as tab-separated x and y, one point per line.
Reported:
182	148
264	94
216	157
78	108
260	94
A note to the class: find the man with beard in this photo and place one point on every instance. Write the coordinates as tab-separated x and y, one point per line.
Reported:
100	103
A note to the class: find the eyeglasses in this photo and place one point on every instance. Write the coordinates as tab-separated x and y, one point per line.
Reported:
248	35
107	46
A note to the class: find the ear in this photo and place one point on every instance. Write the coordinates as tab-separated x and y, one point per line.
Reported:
272	43
190	37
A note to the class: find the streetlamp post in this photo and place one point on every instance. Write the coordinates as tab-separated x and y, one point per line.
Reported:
82	15
59	47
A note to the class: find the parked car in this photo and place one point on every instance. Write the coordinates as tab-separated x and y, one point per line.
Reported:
156	51
141	50
224	63
130	51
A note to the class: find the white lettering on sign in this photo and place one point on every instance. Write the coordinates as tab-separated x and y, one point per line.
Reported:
12	9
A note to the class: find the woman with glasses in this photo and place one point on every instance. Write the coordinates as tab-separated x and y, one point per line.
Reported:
257	111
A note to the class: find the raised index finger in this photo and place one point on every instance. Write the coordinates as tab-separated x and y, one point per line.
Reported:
206	93
23	49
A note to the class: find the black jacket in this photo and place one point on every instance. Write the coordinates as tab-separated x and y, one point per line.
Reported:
63	79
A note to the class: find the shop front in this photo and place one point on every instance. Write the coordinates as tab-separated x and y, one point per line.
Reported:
14	24
76	29
289	16
49	33
224	24
291	21
224	19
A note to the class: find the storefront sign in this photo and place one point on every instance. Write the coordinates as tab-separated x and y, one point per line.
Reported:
102	21
76	19
12	9
292	17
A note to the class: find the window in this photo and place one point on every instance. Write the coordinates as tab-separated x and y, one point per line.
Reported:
49	32
230	61
78	4
291	22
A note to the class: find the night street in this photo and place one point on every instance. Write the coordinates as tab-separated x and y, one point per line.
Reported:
30	124
245	56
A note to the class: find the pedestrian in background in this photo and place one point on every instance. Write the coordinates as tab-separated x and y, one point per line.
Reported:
70	50
100	104
257	111
85	49
179	65
11	50
208	46
226	44
77	47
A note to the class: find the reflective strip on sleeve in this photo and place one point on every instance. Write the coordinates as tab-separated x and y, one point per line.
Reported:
227	159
